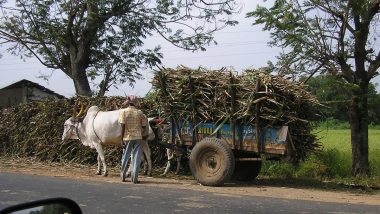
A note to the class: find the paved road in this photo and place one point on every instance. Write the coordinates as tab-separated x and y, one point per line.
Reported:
99	197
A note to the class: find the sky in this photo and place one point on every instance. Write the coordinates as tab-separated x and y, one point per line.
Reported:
241	47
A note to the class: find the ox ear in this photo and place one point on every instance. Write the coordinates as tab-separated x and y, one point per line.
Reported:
74	120
71	120
75	108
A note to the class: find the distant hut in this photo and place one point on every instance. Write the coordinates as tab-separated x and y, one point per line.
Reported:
24	91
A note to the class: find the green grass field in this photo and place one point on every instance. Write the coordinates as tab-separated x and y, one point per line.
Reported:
333	162
339	141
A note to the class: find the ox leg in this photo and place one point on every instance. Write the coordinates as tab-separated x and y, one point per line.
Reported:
170	154
99	171
178	164
148	156
168	165
144	164
101	160
128	173
130	166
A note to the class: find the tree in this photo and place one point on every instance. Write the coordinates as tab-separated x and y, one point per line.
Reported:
335	37
334	93
89	38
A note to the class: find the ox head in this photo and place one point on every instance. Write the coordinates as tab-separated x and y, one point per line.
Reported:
155	133
70	127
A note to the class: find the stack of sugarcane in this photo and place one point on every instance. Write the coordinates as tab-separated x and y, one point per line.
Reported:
34	130
251	98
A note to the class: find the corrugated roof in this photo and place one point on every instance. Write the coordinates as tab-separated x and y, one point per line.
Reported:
29	83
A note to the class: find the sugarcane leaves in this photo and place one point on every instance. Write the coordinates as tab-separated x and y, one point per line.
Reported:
220	125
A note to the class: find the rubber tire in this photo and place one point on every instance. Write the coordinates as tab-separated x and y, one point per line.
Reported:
212	162
246	170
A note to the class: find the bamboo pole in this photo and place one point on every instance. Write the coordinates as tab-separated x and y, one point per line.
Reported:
257	118
232	113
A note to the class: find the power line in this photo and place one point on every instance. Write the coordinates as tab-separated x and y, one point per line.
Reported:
224	44
221	55
187	57
242	31
214	46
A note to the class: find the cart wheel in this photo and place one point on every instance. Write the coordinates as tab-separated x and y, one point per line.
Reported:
246	170
212	162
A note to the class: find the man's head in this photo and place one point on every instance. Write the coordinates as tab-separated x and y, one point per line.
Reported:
131	100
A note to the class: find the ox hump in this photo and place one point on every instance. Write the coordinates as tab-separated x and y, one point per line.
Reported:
93	109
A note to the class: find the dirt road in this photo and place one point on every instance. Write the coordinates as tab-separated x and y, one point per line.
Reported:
75	171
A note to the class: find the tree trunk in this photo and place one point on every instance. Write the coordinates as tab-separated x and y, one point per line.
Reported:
82	86
359	131
104	84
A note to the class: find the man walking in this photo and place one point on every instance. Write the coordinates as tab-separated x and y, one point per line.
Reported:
134	128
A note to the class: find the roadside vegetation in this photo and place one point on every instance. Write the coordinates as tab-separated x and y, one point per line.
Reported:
332	164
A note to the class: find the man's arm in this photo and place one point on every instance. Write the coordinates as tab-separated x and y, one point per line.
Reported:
122	123
122	132
144	127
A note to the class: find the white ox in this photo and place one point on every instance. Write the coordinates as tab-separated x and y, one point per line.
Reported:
98	129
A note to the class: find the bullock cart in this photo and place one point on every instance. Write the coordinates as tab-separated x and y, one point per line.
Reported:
226	128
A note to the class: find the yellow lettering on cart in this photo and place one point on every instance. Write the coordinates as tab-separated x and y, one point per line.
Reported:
204	130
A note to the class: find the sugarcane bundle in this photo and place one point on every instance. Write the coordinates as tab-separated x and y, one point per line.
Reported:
251	98
34	130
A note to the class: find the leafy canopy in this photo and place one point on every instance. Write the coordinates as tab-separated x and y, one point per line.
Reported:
334	36
105	38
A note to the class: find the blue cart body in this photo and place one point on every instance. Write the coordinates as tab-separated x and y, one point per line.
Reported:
273	140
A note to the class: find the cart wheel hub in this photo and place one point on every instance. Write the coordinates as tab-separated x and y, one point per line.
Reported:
211	163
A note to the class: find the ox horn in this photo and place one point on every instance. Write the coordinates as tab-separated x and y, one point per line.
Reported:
81	112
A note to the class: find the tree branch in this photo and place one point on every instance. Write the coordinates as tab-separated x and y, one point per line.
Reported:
374	66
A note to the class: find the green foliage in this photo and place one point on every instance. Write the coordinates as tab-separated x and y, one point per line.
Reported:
374	110
333	162
311	168
336	95
278	169
320	36
331	123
